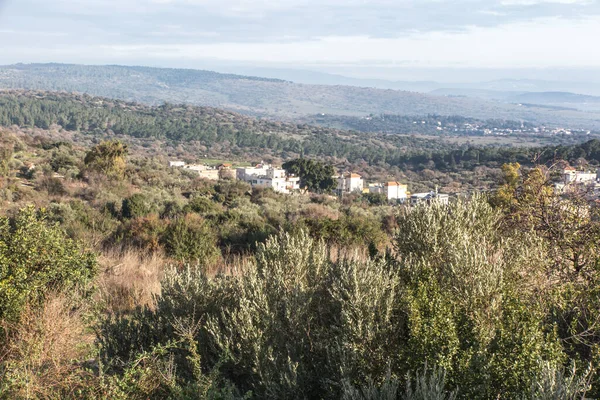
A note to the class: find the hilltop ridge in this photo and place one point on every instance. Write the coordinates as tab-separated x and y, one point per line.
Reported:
266	97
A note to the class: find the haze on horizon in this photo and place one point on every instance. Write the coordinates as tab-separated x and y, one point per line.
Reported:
388	39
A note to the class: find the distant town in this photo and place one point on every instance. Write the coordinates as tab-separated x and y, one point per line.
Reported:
444	125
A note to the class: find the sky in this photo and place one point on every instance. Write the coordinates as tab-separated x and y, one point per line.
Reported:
326	35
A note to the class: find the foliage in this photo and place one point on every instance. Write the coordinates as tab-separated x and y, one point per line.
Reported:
190	238
135	206
34	257
463	274
108	158
6	153
314	175
556	383
426	385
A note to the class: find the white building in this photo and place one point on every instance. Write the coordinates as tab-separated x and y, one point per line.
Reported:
349	183
252	173
267	176
429	198
174	164
395	191
571	175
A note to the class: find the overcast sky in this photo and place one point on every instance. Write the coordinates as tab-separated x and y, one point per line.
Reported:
304	33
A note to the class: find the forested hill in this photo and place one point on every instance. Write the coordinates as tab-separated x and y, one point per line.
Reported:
237	134
259	96
209	126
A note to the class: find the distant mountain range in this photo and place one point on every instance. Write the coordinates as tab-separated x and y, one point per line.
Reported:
424	86
278	98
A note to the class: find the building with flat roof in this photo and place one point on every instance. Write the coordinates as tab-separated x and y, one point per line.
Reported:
391	190
349	183
266	175
429	198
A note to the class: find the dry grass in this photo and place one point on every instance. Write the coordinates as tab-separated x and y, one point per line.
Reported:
345	253
130	279
43	354
231	264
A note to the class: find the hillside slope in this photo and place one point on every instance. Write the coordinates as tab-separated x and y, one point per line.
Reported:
218	131
266	97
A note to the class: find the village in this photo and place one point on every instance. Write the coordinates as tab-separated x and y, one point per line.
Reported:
568	180
276	178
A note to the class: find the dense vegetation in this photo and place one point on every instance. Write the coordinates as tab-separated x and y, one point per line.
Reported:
259	96
185	123
123	278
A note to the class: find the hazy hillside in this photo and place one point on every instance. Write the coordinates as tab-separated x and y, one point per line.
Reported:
260	96
555	99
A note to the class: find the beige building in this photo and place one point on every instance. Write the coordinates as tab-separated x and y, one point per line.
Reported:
349	183
391	190
395	191
212	174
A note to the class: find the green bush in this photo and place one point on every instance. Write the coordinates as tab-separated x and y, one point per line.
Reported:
471	305
135	206
296	325
36	257
190	238
203	206
143	233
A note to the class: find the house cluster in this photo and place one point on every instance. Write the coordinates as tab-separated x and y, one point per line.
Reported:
268	176
393	191
279	180
259	175
353	183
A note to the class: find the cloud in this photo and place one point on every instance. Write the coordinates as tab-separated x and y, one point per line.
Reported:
539	43
535	2
415	32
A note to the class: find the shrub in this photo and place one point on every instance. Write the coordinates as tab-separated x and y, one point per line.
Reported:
135	206
108	158
471	304
190	238
143	233
426	385
52	185
293	326
203	206
36	256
